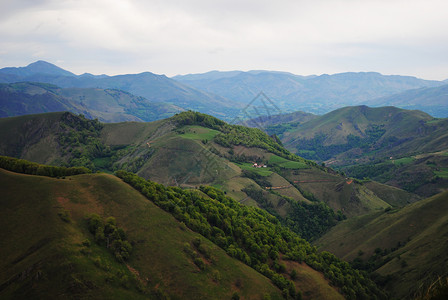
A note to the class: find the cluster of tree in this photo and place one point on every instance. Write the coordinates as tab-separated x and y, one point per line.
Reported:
314	148
108	234
253	137
379	171
309	221
252	235
234	135
386	170
279	129
378	258
260	180
197	118
27	167
80	139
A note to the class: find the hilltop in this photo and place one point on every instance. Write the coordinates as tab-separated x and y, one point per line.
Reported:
163	255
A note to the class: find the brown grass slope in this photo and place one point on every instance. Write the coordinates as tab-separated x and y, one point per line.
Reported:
31	137
416	235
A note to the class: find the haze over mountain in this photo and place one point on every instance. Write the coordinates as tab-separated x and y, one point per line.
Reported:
308	175
156	88
432	100
225	94
106	105
316	94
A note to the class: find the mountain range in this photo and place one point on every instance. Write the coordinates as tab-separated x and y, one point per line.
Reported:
226	95
109	193
432	100
106	105
314	94
153	87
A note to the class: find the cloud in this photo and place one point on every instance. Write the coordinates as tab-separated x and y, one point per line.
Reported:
320	36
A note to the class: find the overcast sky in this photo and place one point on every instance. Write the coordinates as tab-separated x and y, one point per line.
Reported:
404	37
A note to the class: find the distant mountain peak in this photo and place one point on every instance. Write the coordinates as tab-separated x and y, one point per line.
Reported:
37	67
43	67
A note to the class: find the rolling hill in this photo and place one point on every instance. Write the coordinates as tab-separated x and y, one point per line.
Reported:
105	105
153	87
64	255
407	246
395	146
314	94
191	149
45	255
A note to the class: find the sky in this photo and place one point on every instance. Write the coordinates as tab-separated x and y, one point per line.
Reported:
304	37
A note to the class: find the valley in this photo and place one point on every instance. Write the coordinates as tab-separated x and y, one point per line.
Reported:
145	186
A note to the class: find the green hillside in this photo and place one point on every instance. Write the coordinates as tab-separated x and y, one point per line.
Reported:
399	147
381	123
407	246
162	257
193	149
46	255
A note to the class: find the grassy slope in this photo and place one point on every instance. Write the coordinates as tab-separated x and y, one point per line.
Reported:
181	157
423	174
30	137
406	134
38	246
355	120
338	192
422	228
393	196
